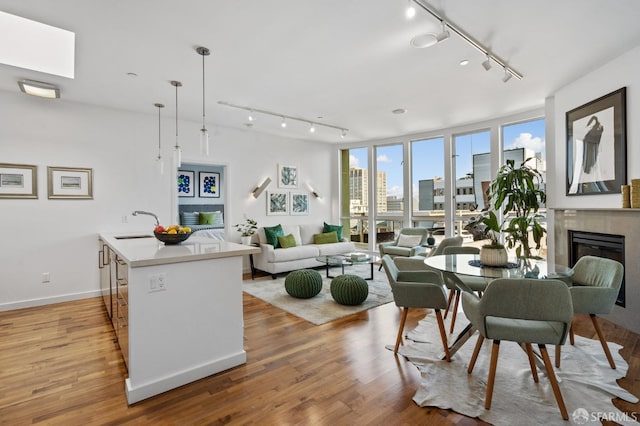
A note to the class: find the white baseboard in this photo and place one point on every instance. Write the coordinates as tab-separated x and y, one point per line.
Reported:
48	300
149	389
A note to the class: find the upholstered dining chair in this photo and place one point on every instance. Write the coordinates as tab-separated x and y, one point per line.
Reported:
446	242
410	242
595	284
525	311
477	284
417	289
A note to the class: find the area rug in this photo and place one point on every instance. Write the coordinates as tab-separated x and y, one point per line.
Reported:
587	382
322	308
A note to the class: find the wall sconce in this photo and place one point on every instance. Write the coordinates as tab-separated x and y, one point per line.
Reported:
313	191
259	189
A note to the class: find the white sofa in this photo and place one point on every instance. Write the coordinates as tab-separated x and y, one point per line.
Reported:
303	255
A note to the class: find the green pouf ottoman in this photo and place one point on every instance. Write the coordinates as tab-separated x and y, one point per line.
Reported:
303	284
349	289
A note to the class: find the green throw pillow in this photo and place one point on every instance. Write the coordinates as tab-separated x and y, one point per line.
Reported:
326	238
272	233
287	241
206	218
337	228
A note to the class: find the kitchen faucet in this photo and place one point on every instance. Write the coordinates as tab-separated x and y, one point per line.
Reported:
137	212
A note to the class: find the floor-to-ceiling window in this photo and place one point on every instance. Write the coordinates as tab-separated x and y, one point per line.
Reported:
427	182
390	199
472	169
355	194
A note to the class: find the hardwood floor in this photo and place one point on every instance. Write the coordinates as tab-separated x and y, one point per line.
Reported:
60	365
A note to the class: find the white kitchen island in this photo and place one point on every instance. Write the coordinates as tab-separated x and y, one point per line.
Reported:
177	309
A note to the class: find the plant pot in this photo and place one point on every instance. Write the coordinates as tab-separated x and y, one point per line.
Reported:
246	240
493	256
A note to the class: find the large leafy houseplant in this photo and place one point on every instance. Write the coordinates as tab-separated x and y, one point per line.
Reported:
518	192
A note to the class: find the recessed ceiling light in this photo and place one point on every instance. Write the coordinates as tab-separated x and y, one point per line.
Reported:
424	40
40	89
464	62
399	111
132	74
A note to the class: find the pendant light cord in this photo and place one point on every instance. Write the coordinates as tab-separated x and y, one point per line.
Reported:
203	126
159	143
177	146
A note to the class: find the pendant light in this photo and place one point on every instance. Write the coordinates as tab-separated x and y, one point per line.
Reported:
159	160
178	153
204	134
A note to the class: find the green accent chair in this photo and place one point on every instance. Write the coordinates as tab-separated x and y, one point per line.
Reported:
399	248
525	311
417	289
451	280
303	284
440	248
594	288
416	263
349	289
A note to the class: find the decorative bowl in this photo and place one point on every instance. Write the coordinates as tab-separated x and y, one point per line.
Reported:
171	238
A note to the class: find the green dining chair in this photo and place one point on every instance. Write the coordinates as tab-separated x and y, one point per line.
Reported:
525	311
594	287
417	289
410	242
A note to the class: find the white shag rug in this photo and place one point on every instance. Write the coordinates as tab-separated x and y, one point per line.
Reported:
322	308
587	382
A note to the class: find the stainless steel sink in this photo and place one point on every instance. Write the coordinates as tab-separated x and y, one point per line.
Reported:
132	237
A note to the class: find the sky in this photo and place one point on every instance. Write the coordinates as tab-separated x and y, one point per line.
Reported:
428	155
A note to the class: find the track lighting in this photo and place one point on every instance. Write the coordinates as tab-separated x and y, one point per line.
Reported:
426	40
343	134
411	10
507	75
487	63
313	125
444	34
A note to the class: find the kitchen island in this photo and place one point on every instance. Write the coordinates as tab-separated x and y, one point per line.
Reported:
176	309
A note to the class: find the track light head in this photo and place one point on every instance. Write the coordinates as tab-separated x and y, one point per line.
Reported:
343	134
410	12
507	76
283	124
487	63
250	118
312	128
444	34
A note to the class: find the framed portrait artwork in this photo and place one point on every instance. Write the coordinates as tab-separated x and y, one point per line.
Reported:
186	183
277	203
287	176
18	181
209	185
597	146
299	203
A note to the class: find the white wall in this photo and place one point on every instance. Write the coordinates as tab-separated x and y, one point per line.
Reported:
620	72
59	236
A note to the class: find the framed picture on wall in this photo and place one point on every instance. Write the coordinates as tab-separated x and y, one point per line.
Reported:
70	183
18	181
186	182
596	146
277	203
287	176
299	203
209	185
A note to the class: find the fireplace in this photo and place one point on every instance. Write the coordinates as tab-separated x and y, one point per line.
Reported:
595	244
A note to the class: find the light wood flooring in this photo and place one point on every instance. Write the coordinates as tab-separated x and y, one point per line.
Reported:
60	365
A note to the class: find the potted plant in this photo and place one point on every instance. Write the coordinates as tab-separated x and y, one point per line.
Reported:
247	229
518	193
494	253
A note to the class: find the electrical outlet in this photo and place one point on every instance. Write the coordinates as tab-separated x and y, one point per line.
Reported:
157	282
46	277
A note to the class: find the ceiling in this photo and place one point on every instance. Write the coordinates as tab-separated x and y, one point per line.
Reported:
347	61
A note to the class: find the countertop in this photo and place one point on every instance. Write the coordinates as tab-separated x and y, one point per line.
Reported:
139	252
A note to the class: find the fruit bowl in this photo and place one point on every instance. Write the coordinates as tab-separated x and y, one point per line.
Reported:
172	238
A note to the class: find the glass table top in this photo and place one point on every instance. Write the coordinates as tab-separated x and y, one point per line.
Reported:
347	259
525	268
